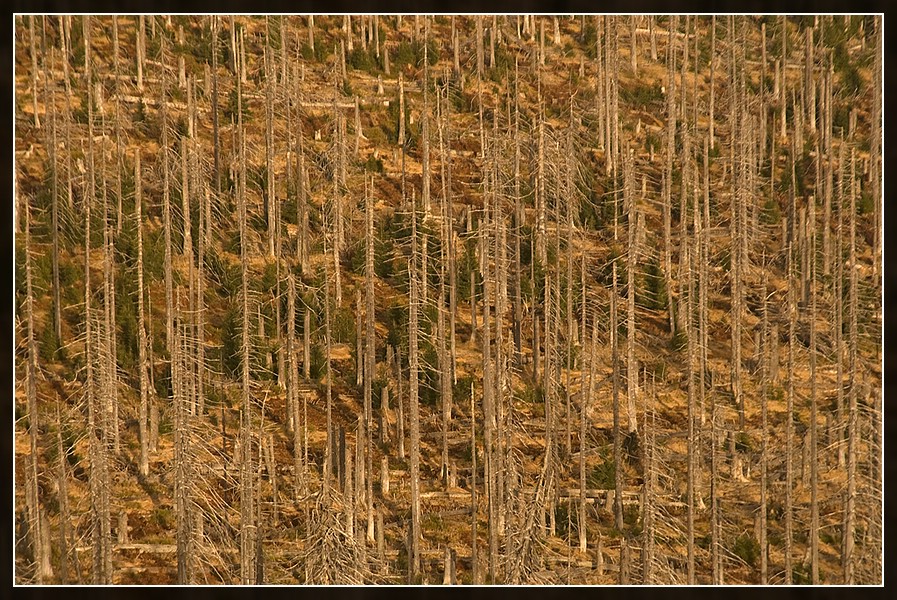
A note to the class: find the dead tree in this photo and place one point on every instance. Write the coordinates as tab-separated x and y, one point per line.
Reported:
270	210
370	355
632	252
814	468
182	459
50	107
618	449
34	72
712	81
848	557
37	525
764	435
875	149
99	476
414	417
668	173
789	410
247	475
216	165
143	464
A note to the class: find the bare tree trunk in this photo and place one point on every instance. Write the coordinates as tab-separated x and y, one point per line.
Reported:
686	301
541	252
182	459
764	438
518	223
400	424
650	485
473	490
814	469
247	496
34	72
848	558
328	448
789	428
370	356
200	305
63	496
50	106
216	172
668	173
632	257
143	464
292	382
270	210
583	413
36	527
141	50
413	393
98	417
618	450
875	149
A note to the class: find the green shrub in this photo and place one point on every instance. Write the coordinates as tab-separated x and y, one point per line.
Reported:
603	475
866	203
318	364
412	54
653	295
642	94
747	549
164	518
230	109
679	340
800	575
343	325
771	214
743	442
589	38
363	59
373	165
532	394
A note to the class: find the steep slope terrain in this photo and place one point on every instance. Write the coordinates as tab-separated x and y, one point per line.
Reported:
473	299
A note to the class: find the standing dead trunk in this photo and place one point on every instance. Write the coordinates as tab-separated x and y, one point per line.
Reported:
814	468
875	149
668	174
270	196
143	464
40	548
247	495
369	355
632	256
414	417
789	421
182	458
400	418
583	412
764	437
618	450
34	72
473	490
216	166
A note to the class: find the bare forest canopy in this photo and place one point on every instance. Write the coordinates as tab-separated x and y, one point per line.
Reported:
448	299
